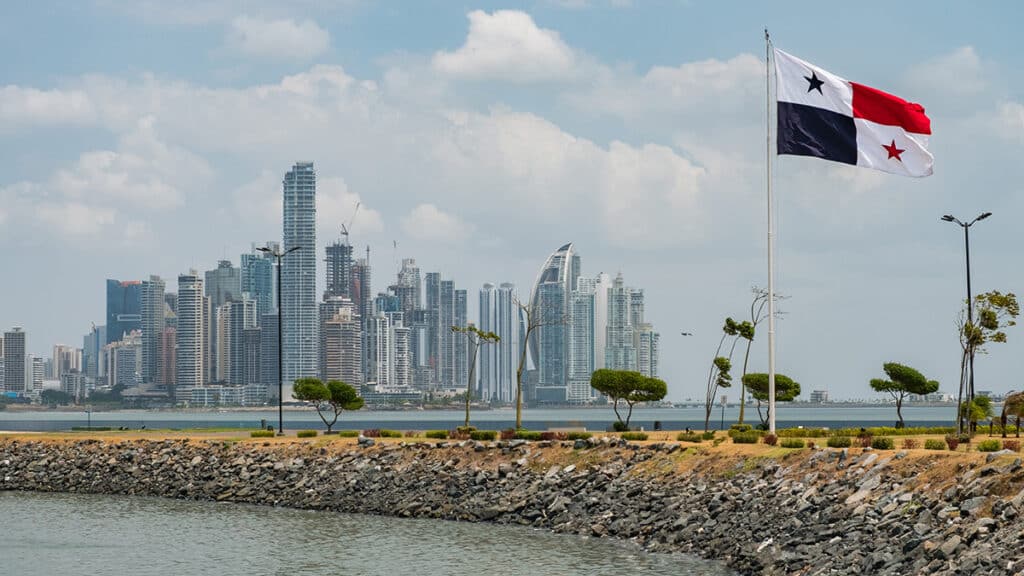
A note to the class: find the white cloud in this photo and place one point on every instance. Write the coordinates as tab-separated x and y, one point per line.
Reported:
75	218
507	45
279	39
428	222
19	105
1011	120
960	73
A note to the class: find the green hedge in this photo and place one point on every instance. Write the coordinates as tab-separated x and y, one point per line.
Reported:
436	434
634	436
734	433
689	437
483	435
934	444
882	443
261	434
577	435
306	433
390	434
527	435
750	437
839	441
348	433
741	427
989	445
875	431
792	443
91	428
708	435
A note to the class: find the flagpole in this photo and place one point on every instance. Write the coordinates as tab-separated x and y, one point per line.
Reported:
771	232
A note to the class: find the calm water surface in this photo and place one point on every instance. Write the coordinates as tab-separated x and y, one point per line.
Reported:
130	536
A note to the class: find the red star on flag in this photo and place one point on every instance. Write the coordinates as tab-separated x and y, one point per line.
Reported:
893	151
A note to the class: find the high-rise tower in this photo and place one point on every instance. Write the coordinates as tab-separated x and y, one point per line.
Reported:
191	332
153	324
298	277
550	303
256	276
14	361
124	308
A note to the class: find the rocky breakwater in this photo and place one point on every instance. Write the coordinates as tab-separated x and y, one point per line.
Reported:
760	510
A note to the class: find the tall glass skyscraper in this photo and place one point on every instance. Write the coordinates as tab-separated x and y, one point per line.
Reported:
551	303
153	323
298	277
498	363
257	278
124	308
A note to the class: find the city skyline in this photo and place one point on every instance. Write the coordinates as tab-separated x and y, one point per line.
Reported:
125	162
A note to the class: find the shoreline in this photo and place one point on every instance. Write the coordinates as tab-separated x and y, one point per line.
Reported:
758	509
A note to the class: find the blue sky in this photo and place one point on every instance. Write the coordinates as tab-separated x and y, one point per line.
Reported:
148	137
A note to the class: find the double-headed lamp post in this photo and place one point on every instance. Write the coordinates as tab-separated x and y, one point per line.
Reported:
280	339
970	306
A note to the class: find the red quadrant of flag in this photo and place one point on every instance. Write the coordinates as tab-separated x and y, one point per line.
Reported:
882	108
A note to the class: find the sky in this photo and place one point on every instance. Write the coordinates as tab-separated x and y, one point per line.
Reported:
149	137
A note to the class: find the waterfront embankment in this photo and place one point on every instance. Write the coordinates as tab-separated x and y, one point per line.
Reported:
760	509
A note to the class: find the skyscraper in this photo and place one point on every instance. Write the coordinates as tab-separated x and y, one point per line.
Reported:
241	317
298	277
446	319
461	345
269	359
92	350
499	362
191	335
256	277
550	302
124	360
620	349
647	352
14	361
223	285
432	319
581	340
342	343
124	308
65	359
407	287
153	323
339	270
168	358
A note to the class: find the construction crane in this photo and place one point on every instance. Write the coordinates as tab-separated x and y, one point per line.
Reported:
345	229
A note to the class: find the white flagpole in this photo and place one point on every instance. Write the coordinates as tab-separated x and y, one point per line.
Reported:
771	233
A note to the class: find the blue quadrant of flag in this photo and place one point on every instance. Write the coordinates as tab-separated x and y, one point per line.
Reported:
811	131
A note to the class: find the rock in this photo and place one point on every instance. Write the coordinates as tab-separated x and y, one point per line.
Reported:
365	442
994	455
971	505
949	547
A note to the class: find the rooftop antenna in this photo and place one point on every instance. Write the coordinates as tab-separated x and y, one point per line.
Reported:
345	229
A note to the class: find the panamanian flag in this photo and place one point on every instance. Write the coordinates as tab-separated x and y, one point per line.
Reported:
823	115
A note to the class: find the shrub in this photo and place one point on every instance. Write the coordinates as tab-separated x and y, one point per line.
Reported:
390	434
1011	445
910	444
934	444
890	431
952	442
637	436
577	435
372	433
745	437
708	435
261	434
411	433
864	441
792	443
882	443
803	433
839	442
550	435
437	434
508	433
620	426
348	433
483	435
770	439
306	433
527	435
733	433
689	437
989	445
741	427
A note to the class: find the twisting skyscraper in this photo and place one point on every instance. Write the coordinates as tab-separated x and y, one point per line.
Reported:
298	277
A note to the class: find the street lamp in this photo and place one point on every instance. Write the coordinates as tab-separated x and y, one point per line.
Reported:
970	311
280	339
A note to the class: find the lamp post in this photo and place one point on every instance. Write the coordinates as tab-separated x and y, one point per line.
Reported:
970	313
280	339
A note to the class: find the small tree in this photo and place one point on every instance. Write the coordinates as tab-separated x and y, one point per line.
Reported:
785	390
476	338
993	312
903	381
747	331
333	398
978	410
532	320
718	376
629	387
55	397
